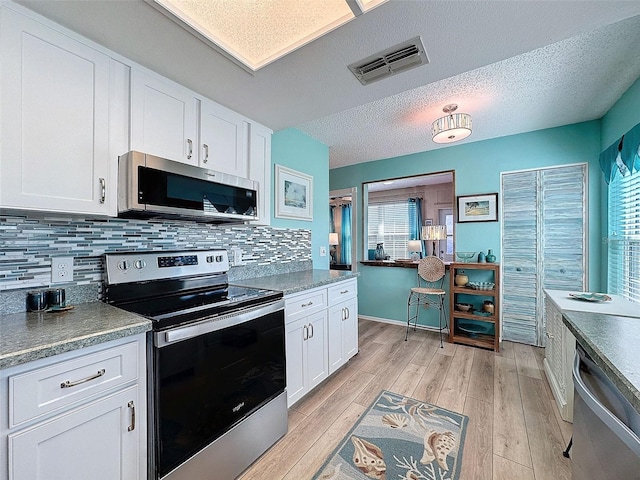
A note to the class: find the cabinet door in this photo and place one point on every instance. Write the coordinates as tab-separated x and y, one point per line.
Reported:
316	346
337	315
342	335
294	346
55	120
350	329
90	442
260	169
223	139
163	118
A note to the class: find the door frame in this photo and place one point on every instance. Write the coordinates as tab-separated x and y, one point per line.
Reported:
350	192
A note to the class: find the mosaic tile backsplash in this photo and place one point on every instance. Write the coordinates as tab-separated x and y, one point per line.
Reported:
28	243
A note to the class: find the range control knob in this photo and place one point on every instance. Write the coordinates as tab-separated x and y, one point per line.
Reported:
218	258
139	264
209	258
124	265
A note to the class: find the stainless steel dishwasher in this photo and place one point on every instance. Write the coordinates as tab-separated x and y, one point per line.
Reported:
606	428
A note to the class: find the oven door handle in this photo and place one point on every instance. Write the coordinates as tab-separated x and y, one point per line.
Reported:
174	335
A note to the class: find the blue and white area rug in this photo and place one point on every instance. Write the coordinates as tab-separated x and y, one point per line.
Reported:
399	438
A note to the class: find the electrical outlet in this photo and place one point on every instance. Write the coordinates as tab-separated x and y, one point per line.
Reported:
61	269
323	251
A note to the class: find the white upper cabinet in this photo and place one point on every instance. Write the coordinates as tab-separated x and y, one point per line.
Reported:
222	139
56	153
163	118
260	169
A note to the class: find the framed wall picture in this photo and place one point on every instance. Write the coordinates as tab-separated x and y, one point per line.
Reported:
294	194
478	208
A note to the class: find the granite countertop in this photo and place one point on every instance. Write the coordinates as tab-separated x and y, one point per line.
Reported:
612	342
29	336
297	281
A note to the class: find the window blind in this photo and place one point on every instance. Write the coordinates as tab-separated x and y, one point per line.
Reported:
624	236
388	223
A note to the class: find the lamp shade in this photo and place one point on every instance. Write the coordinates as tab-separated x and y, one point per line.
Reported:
333	239
434	232
452	127
414	246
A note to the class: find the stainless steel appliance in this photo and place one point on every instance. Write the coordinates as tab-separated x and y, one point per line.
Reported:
151	186
606	427
216	361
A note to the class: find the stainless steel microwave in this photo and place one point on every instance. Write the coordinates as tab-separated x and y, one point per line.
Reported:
150	186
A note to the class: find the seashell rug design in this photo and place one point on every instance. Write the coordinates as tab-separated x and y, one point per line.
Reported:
399	438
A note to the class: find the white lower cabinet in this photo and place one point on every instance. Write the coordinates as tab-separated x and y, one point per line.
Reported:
558	359
306	355
321	335
76	416
97	441
343	324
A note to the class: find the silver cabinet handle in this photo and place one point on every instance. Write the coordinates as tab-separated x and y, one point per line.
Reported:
347	311
306	304
311	328
132	406
103	190
190	144
305	334
69	383
344	291
206	152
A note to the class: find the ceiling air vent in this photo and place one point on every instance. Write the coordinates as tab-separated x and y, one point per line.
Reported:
393	60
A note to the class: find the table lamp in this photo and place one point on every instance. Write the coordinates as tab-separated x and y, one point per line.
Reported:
333	241
434	233
415	249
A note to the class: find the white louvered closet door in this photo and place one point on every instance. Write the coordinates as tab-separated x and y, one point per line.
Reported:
520	256
543	244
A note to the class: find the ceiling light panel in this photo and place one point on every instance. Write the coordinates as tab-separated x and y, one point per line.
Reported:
258	32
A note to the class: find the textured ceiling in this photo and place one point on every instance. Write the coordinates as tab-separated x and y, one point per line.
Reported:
515	66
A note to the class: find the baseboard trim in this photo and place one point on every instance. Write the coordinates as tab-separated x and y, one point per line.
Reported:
402	324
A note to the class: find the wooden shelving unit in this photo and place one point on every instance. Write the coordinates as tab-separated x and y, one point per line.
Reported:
489	272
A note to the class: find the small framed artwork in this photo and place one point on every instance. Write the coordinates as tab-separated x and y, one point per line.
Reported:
294	194
478	208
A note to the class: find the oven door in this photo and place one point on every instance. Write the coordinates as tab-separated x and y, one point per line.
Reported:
210	375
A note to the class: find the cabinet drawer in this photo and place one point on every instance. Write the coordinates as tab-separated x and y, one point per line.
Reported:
49	388
305	303
342	291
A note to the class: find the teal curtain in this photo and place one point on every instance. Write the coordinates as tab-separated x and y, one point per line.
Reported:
415	221
332	225
345	247
623	156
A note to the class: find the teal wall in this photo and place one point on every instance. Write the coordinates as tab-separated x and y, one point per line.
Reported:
383	291
298	151
622	117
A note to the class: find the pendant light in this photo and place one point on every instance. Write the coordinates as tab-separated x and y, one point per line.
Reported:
452	127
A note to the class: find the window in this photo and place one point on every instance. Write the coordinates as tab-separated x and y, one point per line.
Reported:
624	236
389	225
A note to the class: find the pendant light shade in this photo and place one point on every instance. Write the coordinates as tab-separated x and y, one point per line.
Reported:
452	127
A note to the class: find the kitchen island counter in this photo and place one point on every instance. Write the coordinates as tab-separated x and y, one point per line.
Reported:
29	336
295	282
612	342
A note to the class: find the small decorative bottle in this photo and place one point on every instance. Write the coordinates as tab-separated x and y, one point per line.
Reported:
481	258
491	258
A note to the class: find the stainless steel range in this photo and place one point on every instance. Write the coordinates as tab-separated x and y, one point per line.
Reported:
216	361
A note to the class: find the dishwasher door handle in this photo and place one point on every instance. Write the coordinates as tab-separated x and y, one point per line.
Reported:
623	432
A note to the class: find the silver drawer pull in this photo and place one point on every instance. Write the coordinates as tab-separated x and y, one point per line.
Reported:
132	406
306	304
344	291
69	384
103	190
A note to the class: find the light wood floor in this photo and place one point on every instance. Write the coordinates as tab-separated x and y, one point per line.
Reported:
514	432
